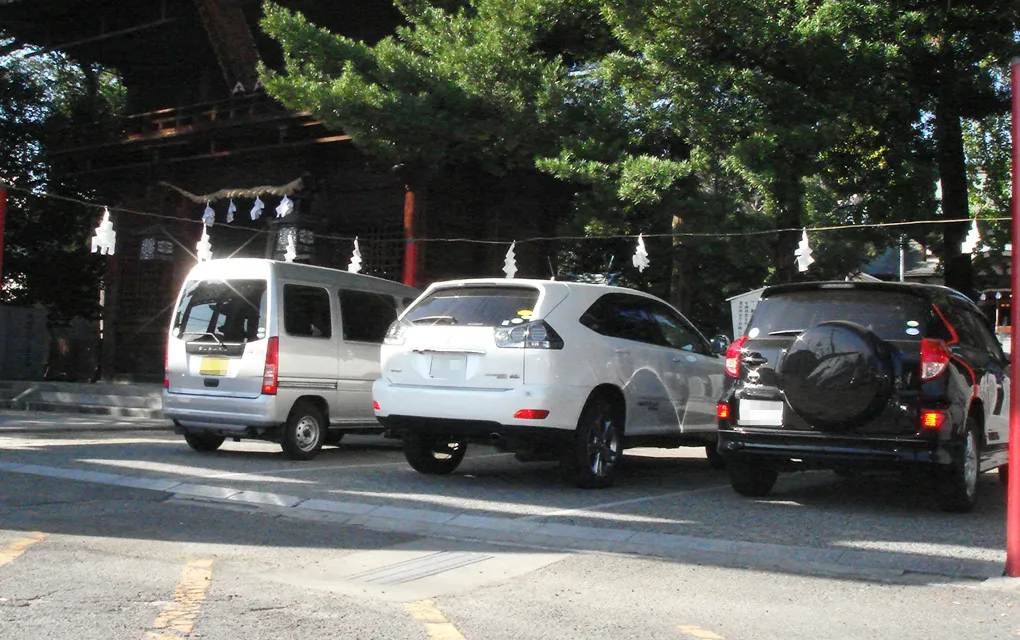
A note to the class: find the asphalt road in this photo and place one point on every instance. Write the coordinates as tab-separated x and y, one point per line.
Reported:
82	561
671	492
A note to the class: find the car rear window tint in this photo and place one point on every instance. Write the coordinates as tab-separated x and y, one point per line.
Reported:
218	310
480	306
890	315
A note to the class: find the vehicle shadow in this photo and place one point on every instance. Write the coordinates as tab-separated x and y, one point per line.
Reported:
655	494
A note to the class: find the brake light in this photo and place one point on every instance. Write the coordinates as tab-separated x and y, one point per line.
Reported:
166	368
375	405
733	356
531	335
532	414
932	419
934	358
270	373
722	411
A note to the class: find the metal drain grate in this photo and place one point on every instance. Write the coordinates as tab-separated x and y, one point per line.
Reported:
422	567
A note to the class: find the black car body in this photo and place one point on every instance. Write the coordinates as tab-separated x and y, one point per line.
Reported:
852	375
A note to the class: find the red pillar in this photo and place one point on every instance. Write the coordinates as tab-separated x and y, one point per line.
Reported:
1013	490
411	214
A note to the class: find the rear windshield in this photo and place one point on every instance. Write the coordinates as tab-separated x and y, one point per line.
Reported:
890	315
222	311
475	306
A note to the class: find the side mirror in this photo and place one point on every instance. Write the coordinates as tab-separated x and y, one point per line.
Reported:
720	344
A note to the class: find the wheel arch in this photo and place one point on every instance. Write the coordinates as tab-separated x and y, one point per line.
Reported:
976	410
615	396
316	401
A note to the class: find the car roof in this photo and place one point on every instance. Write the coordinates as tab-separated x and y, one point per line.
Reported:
919	289
588	289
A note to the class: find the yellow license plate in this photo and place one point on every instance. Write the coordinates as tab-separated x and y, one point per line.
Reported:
213	366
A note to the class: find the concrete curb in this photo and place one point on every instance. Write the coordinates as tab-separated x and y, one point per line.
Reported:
83	428
530	533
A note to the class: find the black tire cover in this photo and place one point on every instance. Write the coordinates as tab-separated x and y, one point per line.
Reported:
837	375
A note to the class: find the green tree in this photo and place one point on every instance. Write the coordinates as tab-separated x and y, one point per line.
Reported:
795	98
46	259
469	86
866	99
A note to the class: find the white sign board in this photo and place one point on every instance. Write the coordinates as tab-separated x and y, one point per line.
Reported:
741	308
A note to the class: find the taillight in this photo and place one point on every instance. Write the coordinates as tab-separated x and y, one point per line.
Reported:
934	358
395	334
530	335
375	405
733	356
532	414
270	373
722	411
932	419
166	368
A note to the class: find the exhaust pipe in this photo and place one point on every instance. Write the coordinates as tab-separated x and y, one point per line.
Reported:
497	441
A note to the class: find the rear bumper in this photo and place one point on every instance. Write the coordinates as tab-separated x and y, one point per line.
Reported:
802	449
477	413
221	413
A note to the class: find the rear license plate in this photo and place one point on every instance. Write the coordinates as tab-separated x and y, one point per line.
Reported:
210	366
448	367
761	413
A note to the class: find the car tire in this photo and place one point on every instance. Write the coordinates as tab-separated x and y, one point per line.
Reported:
333	438
203	441
956	484
1004	475
592	458
434	456
304	433
750	478
715	459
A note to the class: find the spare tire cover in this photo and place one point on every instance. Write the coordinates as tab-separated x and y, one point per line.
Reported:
837	374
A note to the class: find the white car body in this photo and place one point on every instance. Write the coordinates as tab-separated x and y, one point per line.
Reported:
454	381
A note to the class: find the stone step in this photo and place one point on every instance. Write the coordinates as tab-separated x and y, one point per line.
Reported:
93	409
115	399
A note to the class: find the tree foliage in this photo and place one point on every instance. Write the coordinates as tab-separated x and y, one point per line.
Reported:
703	117
46	261
470	85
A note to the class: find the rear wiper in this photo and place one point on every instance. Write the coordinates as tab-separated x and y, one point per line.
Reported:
203	333
435	320
786	332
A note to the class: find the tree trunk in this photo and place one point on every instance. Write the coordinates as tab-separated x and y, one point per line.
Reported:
678	294
789	195
952	168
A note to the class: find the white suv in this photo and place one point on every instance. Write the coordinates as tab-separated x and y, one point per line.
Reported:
548	370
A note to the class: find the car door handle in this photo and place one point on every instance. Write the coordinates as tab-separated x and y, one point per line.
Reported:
755	359
623	352
676	359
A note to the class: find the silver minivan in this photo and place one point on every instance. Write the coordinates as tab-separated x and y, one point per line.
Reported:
276	351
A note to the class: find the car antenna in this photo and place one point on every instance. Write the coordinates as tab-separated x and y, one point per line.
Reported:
552	272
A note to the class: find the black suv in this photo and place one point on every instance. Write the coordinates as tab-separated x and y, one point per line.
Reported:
856	375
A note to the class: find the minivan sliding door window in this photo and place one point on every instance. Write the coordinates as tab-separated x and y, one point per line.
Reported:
306	311
366	316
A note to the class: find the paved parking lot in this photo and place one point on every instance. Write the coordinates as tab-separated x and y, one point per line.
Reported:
666	502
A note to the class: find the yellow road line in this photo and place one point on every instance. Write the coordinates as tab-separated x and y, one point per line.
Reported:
695	631
177	620
436	625
18	547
